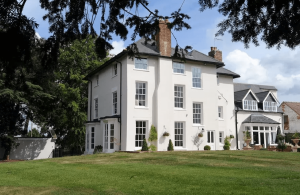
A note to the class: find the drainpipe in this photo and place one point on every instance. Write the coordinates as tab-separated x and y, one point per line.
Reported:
120	103
236	131
91	101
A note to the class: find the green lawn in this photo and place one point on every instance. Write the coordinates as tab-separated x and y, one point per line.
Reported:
215	172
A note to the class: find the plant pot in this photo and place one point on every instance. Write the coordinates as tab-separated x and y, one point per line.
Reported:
295	148
247	147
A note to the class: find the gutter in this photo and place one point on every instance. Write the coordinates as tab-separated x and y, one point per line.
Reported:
120	103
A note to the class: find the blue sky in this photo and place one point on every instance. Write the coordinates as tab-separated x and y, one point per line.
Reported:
256	65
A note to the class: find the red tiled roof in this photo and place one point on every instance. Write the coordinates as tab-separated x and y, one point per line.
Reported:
294	106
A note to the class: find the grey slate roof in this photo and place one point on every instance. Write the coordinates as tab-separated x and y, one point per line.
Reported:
259	118
194	55
255	88
262	95
239	95
224	71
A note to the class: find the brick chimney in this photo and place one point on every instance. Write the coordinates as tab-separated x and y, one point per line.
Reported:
163	38
217	54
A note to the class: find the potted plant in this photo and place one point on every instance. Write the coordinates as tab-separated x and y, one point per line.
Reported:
231	136
226	144
166	134
200	134
295	138
247	139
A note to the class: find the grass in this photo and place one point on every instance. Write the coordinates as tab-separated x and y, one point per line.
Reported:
210	172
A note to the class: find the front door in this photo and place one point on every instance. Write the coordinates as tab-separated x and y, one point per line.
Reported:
211	139
109	140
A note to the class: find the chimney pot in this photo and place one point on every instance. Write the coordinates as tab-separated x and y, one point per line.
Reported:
217	54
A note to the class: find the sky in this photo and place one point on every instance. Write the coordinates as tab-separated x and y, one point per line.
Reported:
256	65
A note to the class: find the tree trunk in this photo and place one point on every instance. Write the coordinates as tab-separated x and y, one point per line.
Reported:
7	157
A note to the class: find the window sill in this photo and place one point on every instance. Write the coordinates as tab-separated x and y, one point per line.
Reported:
179	109
141	107
197	88
198	125
183	74
221	119
141	70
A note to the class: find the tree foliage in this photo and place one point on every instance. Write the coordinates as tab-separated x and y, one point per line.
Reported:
67	112
275	22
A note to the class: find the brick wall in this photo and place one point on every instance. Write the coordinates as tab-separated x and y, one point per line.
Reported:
163	38
217	54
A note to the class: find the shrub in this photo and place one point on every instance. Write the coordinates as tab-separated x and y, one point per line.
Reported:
207	147
166	134
226	144
98	149
231	136
296	136
153	134
226	147
247	135
170	146
152	147
145	146
280	145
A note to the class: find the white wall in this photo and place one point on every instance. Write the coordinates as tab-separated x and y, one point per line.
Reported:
33	149
226	100
294	120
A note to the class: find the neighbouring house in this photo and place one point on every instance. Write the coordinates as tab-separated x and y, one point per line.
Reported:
127	96
291	112
257	111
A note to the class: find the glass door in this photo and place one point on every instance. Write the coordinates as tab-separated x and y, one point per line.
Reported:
211	139
109	137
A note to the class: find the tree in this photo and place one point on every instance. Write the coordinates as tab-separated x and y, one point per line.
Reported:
34	133
145	145
276	22
67	112
170	146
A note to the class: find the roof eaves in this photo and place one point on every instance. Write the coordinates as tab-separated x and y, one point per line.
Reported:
234	75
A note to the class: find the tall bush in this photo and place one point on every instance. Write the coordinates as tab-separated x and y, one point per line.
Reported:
153	134
145	146
280	145
226	143
170	146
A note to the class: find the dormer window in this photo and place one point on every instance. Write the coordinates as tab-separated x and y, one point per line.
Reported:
270	106
250	105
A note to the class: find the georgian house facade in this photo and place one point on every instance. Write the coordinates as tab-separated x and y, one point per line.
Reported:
128	95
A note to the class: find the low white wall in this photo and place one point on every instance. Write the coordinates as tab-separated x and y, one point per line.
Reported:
33	148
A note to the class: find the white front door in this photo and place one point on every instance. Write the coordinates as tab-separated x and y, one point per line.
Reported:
211	139
109	141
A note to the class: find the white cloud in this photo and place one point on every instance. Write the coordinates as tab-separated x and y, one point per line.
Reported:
118	47
249	68
270	70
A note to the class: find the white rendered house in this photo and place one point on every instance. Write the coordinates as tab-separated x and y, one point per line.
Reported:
257	111
127	96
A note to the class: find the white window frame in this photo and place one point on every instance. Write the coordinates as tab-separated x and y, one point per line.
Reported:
97	80
179	95
114	70
138	95
220	112
114	102
140	133
195	76
96	105
111	136
221	137
178	68
250	105
140	66
262	129
270	106
179	134
92	137
88	139
197	111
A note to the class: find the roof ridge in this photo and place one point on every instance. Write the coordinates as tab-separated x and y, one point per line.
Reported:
242	90
263	92
206	55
